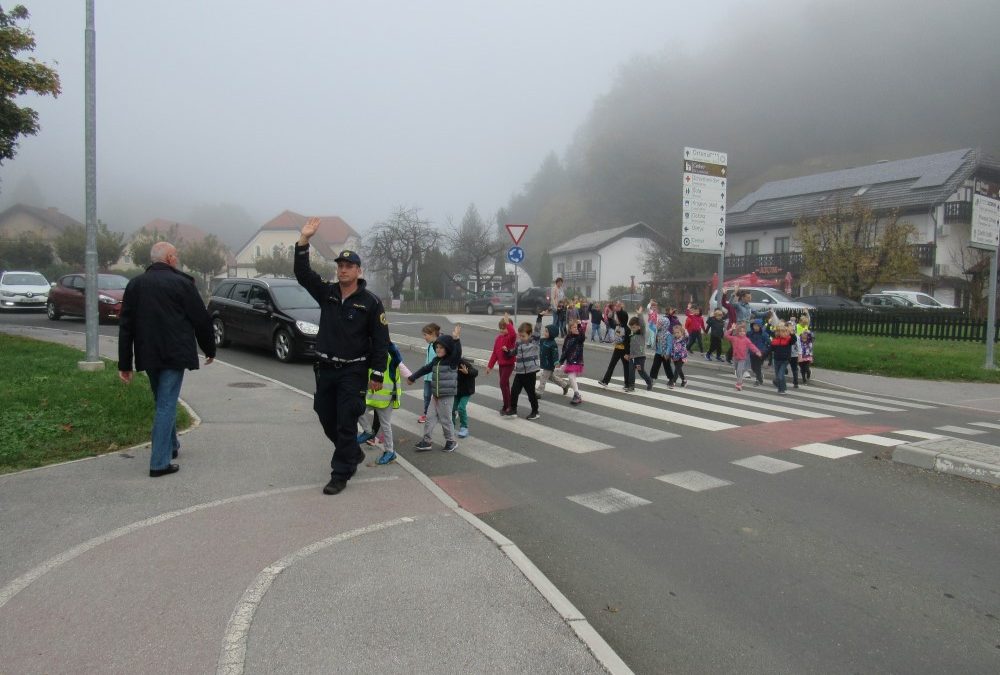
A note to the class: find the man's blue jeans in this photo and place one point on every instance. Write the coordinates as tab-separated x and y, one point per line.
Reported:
166	386
595	330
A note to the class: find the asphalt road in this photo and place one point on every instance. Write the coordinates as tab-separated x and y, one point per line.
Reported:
827	565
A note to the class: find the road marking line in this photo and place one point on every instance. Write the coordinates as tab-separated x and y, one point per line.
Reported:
988	425
609	500
960	430
491	455
861	397
749	391
826	450
610	424
913	433
874	439
521	427
834	397
696	481
232	659
766	464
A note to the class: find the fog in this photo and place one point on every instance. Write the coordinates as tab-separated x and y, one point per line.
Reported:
231	112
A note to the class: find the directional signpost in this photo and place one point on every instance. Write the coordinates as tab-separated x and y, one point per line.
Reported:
515	254
985	234
703	215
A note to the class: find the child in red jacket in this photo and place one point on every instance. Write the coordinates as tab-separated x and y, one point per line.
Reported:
694	324
504	351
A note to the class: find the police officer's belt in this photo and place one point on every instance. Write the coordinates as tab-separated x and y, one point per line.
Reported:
337	362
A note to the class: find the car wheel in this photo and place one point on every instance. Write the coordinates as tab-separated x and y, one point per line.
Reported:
52	312
219	331
468	310
284	350
490	310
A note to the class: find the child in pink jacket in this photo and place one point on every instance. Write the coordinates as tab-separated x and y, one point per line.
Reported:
504	350
742	346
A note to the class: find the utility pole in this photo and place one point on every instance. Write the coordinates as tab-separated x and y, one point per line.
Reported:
93	360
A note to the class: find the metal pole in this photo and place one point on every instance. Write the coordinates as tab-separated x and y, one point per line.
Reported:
991	312
516	287
93	361
722	277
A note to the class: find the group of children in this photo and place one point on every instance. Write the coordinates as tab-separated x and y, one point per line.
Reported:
528	357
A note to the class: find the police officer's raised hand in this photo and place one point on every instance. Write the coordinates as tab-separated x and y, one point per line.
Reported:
308	230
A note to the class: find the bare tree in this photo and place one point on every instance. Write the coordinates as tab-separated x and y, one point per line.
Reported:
855	248
974	264
394	244
475	246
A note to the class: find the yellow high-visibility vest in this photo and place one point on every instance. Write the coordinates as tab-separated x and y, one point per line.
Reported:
391	391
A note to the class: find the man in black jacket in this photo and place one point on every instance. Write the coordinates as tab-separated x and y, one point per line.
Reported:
162	317
353	340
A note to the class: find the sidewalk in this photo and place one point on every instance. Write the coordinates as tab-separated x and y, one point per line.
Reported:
239	563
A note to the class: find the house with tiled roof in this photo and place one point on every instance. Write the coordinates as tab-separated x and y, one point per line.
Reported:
282	231
594	262
175	232
46	224
932	192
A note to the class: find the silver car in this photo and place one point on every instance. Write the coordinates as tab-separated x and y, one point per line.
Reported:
763	299
23	290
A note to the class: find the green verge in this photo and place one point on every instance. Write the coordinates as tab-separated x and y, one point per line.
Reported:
904	357
51	411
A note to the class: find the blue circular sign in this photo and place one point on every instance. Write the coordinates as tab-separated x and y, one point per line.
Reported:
515	255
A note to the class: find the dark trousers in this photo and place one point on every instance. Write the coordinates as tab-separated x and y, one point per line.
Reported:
695	336
616	356
780	366
793	363
678	372
525	381
638	365
339	402
757	365
806	371
661	360
715	345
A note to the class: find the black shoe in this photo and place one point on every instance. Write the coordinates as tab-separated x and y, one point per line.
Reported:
335	486
170	468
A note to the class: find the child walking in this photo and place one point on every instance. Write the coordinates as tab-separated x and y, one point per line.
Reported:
716	327
806	355
742	347
549	356
444	385
571	359
678	355
781	348
526	366
793	360
467	374
762	341
382	403
503	356
694	324
664	345
622	337
637	354
430	334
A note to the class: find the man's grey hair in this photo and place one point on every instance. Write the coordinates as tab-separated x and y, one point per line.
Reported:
160	251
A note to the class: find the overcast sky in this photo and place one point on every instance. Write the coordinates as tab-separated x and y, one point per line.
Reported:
329	107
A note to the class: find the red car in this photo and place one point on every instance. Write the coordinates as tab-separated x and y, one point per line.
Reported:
66	297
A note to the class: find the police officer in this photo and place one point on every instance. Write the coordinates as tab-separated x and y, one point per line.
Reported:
353	340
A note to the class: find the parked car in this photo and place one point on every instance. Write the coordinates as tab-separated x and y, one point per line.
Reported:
274	313
533	300
23	290
762	299
632	299
490	302
886	301
66	298
922	300
829	302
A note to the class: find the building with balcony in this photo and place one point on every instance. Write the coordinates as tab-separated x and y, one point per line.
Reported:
933	193
593	263
282	232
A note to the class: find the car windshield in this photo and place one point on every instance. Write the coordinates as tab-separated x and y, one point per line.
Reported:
111	282
778	296
293	297
27	279
925	299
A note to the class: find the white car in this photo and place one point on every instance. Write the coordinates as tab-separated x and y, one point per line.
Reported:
23	290
763	299
921	300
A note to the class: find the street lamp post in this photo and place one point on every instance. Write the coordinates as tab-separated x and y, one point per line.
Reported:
93	361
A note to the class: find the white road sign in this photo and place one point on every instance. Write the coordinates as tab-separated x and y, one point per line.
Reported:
703	214
985	222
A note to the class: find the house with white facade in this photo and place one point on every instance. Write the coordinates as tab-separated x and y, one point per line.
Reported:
592	263
282	232
933	193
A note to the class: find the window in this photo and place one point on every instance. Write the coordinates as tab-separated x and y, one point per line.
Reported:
588	267
579	265
242	292
781	244
589	288
471	285
751	247
256	252
561	269
223	290
258	294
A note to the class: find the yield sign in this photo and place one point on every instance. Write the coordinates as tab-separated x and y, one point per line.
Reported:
516	232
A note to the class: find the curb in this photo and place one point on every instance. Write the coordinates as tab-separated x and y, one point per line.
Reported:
942	462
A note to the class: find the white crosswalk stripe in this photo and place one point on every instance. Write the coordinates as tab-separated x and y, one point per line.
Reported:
609	424
987	425
766	464
751	392
609	500
875	439
828	396
489	454
913	433
951	429
521	427
849	394
826	450
695	481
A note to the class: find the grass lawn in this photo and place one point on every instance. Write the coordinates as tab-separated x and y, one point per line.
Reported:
50	411
905	357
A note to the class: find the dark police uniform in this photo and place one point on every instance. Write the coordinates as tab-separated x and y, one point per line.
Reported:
353	338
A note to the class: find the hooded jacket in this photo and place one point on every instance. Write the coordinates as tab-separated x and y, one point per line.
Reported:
443	369
503	348
623	333
467	382
760	339
527	354
549	349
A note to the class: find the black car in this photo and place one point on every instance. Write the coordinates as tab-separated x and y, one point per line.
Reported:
274	313
533	300
830	302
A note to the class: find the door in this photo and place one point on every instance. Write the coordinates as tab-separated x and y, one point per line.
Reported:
76	292
235	313
258	323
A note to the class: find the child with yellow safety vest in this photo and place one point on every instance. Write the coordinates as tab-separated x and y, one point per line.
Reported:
383	402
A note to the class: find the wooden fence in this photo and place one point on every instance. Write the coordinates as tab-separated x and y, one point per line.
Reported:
924	324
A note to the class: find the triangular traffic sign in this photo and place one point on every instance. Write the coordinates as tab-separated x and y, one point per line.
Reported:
516	232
